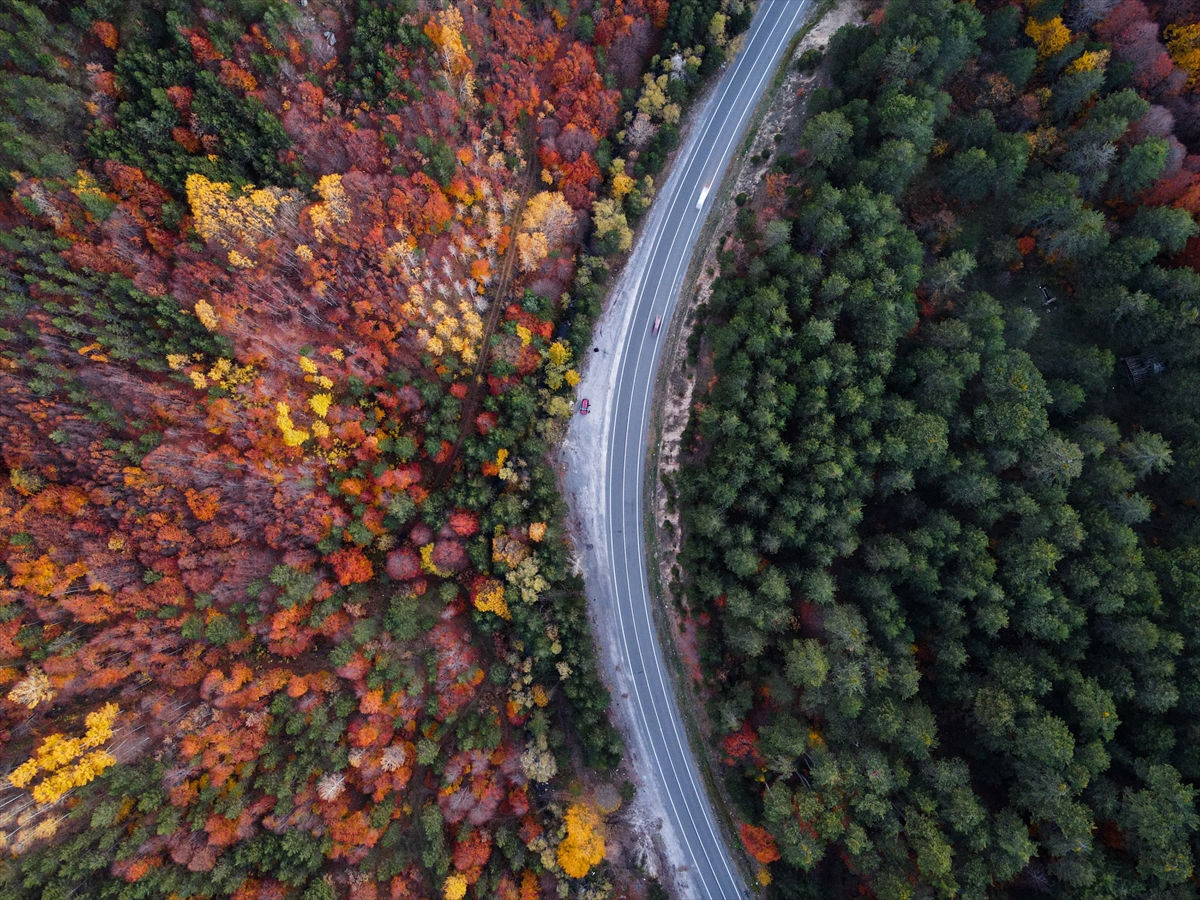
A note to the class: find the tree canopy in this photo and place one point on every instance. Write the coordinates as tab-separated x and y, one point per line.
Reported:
941	541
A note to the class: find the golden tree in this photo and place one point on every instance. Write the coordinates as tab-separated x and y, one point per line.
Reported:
583	846
455	887
622	184
1050	37
320	403
332	211
548	212
242	220
532	248
62	762
445	30
1183	43
490	598
654	100
558	366
547	219
207	315
427	563
1089	61
292	436
459	333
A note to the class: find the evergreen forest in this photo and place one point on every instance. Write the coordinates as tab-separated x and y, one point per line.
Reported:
940	493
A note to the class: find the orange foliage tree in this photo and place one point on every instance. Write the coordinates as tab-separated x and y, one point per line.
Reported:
759	843
583	847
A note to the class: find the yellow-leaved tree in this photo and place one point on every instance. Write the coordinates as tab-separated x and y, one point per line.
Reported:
655	101
207	315
460	330
332	211
490	598
532	248
547	219
622	184
292	436
558	366
1050	37
427	563
61	760
245	219
548	212
445	30
455	887
583	846
1183	43
1089	61
609	219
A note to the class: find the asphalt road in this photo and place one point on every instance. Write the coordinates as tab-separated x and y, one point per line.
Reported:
606	457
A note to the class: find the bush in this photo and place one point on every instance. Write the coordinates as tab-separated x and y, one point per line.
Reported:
809	60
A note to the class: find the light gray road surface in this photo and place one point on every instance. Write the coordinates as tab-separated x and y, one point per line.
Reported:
605	456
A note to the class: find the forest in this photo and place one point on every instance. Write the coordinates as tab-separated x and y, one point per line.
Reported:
941	491
292	296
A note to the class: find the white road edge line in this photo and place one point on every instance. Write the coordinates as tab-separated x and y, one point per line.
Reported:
621	368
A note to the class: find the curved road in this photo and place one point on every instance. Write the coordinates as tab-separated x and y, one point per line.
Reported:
605	458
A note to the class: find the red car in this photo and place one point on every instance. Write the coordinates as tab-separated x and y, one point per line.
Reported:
584	406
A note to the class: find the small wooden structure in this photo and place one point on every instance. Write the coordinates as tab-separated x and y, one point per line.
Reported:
1142	368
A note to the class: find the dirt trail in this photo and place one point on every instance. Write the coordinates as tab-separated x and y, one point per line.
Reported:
478	382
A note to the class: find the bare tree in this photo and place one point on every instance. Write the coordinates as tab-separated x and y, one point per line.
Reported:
1085	13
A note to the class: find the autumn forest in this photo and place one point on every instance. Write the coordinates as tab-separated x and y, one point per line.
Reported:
295	296
292	299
